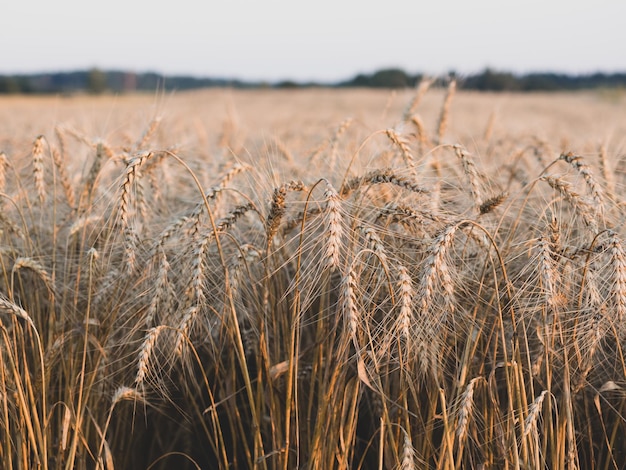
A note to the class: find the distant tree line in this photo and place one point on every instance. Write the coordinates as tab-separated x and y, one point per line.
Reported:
97	81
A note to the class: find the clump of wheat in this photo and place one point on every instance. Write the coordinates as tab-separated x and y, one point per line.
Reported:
426	314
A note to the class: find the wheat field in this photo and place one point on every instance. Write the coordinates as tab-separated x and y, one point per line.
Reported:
313	279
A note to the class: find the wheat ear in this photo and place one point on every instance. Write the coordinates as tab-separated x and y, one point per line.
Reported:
161	289
530	423
349	306
435	269
405	318
380	177
38	169
277	207
618	260
403	146
445	111
59	163
19	312
465	410
36	267
422	88
184	328
145	352
581	167
607	171
408	453
471	173
334	227
4	164
126	394
582	207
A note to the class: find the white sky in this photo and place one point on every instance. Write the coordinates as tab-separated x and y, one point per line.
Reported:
316	39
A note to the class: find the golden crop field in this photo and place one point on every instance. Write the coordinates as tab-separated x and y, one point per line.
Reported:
315	279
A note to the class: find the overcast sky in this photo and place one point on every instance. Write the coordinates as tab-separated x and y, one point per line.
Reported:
320	40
